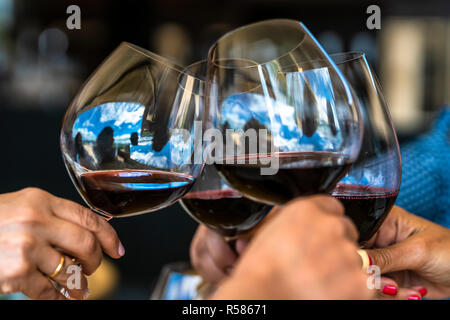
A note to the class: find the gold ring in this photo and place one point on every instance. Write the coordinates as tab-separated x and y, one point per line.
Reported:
58	268
365	259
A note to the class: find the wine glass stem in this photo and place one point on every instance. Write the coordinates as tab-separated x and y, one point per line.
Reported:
101	214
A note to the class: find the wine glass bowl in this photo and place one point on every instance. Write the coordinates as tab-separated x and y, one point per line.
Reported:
371	186
289	106
126	137
212	202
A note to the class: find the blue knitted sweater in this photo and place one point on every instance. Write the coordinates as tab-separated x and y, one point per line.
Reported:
425	187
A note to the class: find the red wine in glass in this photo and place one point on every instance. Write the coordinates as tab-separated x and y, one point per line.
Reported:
366	206
122	193
299	174
369	190
123	136
225	211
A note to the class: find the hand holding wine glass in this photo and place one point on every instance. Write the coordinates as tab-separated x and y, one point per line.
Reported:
42	236
414	252
272	79
291	254
211	255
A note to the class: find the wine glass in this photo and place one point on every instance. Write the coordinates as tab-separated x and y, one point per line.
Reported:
287	115
127	137
211	201
371	186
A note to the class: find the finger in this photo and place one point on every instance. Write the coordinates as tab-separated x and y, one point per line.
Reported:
219	250
404	255
209	270
408	294
422	291
402	294
70	277
241	245
75	241
87	219
350	229
325	204
38	286
388	288
371	241
198	247
397	226
329	204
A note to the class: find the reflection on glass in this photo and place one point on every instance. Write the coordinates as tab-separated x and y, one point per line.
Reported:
273	75
370	188
214	203
127	136
211	200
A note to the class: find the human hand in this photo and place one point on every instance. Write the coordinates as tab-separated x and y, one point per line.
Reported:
212	256
36	230
414	253
307	251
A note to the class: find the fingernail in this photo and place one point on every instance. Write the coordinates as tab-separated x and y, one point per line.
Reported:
414	298
423	292
370	260
121	249
390	290
86	294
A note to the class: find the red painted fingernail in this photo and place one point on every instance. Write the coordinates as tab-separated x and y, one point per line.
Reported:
370	260
414	298
423	292
390	290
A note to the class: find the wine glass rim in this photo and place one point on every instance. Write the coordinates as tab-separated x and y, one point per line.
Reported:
204	82
347	56
169	63
151	55
252	25
196	63
191	74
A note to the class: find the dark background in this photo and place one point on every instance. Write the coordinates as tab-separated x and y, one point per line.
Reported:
43	64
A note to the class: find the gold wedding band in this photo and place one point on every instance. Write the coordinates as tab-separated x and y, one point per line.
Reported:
365	259
58	268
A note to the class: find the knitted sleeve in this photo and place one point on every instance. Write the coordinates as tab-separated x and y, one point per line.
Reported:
425	187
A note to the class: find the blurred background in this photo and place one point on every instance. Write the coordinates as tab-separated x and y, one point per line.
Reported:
43	64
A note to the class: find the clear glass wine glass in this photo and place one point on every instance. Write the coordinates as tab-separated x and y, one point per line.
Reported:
371	186
127	137
211	201
287	115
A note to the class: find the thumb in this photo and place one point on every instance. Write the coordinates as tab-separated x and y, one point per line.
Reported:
404	255
241	244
